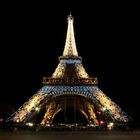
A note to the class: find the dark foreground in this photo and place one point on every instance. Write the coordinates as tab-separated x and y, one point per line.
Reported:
71	135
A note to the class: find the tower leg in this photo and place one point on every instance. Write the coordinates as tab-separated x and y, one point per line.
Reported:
49	114
91	115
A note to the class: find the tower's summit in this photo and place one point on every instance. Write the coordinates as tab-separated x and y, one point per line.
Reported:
70	44
70	17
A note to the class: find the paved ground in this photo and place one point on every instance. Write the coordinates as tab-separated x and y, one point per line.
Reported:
135	135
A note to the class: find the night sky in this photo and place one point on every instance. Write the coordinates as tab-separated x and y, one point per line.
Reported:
33	37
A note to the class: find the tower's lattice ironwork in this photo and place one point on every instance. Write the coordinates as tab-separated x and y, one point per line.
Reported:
69	86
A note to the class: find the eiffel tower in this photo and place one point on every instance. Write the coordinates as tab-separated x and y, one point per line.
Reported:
69	95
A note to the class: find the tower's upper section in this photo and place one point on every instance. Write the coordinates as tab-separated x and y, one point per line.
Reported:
70	70
70	45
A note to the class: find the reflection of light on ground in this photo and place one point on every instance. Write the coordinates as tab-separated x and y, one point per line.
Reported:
71	135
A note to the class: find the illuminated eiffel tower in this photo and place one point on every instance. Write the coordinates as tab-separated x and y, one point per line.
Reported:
69	96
